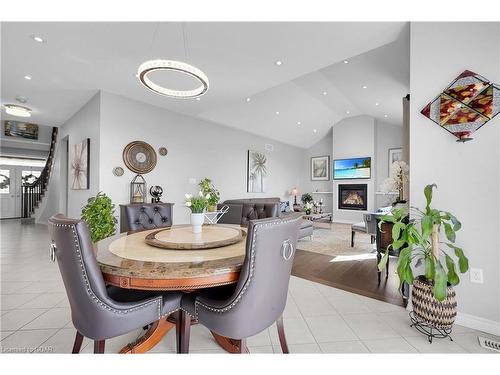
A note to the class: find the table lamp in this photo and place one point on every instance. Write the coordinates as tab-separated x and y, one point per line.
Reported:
294	192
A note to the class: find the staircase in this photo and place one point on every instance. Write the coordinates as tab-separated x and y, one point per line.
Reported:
32	194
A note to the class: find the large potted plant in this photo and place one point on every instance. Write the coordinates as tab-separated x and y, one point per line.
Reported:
197	205
98	213
207	187
420	243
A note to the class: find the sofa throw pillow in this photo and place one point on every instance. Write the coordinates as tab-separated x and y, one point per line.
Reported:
285	206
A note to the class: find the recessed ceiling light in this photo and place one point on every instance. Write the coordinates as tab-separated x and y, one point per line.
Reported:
314	130
377	103
279	62
248	99
37	38
325	93
17	110
346	62
386	116
298	123
365	87
28	78
347	112
277	112
198	99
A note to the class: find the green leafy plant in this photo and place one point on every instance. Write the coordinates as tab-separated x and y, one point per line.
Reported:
198	204
98	214
306	198
418	240
207	187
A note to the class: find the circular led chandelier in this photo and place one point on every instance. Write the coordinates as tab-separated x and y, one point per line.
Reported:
177	66
17	110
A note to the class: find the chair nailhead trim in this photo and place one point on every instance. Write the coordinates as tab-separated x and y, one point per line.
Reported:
91	293
250	275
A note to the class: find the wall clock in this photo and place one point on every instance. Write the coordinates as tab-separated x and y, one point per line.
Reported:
139	157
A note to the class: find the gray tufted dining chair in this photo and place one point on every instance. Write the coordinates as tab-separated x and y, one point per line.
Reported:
97	312
142	216
260	295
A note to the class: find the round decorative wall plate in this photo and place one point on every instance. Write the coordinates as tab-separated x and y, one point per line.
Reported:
139	157
163	151
118	171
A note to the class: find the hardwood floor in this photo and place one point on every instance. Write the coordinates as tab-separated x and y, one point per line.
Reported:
356	276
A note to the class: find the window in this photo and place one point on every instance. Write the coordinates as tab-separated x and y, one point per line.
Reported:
4	181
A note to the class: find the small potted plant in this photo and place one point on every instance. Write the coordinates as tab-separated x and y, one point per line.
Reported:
207	187
307	200
419	242
98	213
197	205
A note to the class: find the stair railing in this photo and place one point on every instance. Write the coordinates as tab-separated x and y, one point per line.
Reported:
32	194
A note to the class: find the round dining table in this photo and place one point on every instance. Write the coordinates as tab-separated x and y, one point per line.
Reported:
130	261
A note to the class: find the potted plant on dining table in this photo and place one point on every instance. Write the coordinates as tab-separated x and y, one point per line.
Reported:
197	205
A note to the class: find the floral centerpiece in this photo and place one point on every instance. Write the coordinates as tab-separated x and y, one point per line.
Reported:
197	205
308	207
397	180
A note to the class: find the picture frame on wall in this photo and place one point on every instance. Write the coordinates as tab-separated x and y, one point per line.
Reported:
395	154
320	168
80	165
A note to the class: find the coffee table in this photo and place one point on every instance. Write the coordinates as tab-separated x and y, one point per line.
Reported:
316	217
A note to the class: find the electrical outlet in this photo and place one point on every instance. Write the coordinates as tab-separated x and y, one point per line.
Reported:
476	275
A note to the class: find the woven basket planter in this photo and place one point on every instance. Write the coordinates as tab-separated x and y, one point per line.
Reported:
427	308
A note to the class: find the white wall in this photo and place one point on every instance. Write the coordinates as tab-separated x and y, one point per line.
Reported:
467	175
84	124
321	148
196	149
387	136
354	137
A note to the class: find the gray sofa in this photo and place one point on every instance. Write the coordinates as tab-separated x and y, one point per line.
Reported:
243	210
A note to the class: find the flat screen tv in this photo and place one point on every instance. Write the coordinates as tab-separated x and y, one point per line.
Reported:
352	169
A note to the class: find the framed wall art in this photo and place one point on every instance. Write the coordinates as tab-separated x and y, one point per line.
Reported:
257	172
320	168
395	154
79	164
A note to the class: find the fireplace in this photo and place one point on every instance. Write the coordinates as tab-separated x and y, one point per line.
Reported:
353	197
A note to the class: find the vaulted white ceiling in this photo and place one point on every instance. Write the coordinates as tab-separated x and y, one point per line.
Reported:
78	59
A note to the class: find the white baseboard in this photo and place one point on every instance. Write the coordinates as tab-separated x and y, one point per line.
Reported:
476	322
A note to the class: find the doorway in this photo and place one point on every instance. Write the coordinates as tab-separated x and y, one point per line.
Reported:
12	176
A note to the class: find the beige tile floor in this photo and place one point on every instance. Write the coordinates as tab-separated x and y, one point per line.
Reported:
35	315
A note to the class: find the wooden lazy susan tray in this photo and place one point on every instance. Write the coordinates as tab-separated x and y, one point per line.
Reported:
182	237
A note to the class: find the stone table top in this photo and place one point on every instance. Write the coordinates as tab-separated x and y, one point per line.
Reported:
129	256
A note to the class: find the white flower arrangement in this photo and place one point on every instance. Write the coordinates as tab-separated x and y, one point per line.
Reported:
398	177
197	204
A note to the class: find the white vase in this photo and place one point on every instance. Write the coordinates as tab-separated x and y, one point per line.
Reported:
196	222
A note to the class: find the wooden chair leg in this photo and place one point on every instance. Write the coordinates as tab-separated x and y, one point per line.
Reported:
77	345
372	239
243	346
183	327
352	238
178	329
379	257
99	346
281	335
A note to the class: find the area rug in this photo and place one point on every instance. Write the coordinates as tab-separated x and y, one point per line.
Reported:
335	240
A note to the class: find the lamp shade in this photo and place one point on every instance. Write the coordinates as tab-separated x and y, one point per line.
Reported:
294	191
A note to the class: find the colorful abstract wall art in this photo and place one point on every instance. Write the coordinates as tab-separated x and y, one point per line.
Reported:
468	103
